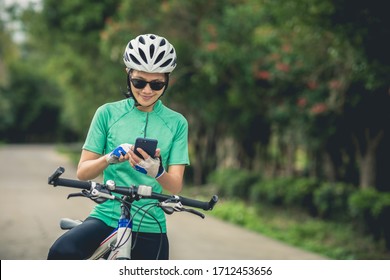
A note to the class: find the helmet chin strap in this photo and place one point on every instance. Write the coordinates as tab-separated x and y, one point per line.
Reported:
130	94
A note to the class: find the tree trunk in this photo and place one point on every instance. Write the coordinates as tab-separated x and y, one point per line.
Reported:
329	168
367	158
367	170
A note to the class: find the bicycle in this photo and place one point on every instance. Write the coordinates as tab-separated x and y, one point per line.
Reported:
117	245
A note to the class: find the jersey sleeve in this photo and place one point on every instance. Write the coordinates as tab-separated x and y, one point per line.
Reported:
97	133
179	150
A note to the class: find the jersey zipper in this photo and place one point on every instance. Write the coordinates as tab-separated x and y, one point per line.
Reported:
146	124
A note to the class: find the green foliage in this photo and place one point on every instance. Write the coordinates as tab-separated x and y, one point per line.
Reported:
331	200
270	191
332	239
300	192
239	213
286	191
370	210
233	182
369	200
66	42
31	107
336	202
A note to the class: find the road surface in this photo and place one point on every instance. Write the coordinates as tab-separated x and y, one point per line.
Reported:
30	210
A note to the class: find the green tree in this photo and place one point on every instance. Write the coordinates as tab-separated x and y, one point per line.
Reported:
65	38
25	113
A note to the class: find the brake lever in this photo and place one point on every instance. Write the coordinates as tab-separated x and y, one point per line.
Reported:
95	196
192	211
169	208
82	193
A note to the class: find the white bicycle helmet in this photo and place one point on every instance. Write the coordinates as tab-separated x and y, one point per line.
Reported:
150	53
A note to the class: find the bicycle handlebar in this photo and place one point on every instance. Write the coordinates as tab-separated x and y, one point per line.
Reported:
130	191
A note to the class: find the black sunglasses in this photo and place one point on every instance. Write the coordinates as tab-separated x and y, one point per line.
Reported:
154	85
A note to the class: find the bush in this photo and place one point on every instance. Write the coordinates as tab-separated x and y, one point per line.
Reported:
233	183
300	193
371	209
286	191
370	201
270	191
331	200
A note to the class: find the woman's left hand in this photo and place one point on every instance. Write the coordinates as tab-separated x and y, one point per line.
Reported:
149	166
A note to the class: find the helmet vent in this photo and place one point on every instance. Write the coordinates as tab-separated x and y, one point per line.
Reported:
143	56
163	42
151	50
134	59
166	63
160	56
141	40
130	46
126	57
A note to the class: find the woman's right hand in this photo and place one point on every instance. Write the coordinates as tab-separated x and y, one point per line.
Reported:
119	154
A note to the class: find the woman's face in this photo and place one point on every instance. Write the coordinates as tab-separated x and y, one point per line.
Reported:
148	94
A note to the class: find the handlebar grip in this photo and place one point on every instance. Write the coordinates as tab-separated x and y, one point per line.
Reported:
55	180
72	183
199	204
213	201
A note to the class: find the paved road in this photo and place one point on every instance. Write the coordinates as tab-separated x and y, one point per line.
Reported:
30	210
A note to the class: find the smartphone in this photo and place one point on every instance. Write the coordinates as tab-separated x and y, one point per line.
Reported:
147	144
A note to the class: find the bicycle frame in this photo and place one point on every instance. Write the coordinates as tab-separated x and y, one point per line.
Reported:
105	247
119	241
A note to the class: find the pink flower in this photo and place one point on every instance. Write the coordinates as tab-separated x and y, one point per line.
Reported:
212	46
282	67
335	84
312	84
286	48
318	108
263	75
302	102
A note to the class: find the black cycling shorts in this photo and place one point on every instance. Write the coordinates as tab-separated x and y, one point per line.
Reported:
80	243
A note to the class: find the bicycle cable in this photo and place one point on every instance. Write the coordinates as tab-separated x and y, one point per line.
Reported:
138	209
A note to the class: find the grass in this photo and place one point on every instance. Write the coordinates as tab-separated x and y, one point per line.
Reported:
340	241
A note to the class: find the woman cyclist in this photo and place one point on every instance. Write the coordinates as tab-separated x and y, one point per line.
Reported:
109	148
